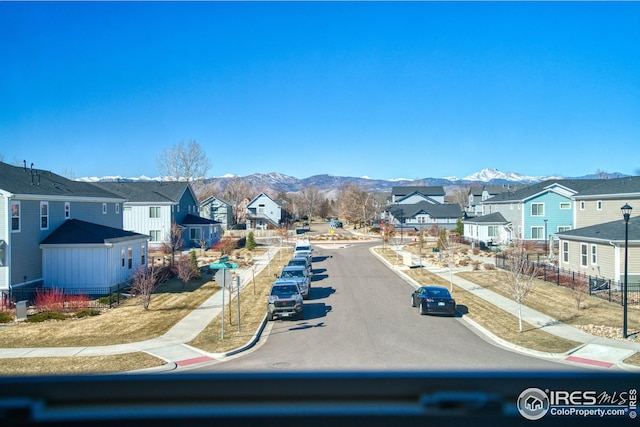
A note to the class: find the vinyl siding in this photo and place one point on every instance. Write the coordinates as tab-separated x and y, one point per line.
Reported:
610	211
86	267
5	235
137	219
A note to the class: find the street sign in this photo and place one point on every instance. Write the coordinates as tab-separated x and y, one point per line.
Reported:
223	276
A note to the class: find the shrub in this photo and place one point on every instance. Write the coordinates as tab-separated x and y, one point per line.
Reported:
6	317
76	302
87	312
45	316
50	300
489	266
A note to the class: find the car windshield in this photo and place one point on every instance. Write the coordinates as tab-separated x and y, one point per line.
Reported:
292	273
284	290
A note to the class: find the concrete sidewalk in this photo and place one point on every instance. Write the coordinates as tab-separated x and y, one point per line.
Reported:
171	346
594	351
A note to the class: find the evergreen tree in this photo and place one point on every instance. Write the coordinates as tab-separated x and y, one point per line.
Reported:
251	242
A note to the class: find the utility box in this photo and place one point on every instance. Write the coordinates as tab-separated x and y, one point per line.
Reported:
21	310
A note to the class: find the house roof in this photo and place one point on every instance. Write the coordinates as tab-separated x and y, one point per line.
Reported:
148	191
575	185
492	218
191	219
210	199
433	210
619	187
610	231
261	195
400	191
23	180
76	232
477	190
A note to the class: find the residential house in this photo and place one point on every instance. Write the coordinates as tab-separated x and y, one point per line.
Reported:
479	193
601	203
596	246
424	215
201	232
419	207
262	213
535	212
153	207
598	251
217	209
410	194
34	204
487	230
84	256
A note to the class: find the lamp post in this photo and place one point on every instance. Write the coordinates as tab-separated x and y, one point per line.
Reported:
626	213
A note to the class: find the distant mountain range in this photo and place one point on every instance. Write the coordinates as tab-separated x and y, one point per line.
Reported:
330	184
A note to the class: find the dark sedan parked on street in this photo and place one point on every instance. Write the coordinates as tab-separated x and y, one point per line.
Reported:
433	299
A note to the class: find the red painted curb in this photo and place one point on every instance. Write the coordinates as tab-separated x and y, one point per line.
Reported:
589	361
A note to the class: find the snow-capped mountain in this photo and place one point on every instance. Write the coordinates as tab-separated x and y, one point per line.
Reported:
493	174
275	182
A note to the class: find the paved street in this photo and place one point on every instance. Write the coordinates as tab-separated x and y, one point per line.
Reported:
359	318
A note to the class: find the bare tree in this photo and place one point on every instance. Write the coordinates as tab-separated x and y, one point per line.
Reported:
579	287
310	199
236	191
447	247
185	270
144	284
355	204
388	233
460	196
183	161
173	241
521	275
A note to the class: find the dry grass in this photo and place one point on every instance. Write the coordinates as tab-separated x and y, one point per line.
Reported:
499	322
130	323
126	323
78	365
559	303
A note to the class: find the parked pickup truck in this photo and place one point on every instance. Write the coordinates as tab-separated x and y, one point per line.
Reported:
285	300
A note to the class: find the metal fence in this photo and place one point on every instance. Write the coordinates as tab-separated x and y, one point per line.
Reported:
599	287
114	294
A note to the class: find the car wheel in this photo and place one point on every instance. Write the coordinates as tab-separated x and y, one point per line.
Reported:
413	301
301	315
422	309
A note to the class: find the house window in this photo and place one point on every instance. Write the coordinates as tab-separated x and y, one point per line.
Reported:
599	205
142	255
565	251
126	208
117	208
195	233
584	258
67	210
15	216
565	205
156	236
594	254
563	228
493	231
122	256
261	209
154	212
581	206
537	233
537	209
104	208
130	256
44	215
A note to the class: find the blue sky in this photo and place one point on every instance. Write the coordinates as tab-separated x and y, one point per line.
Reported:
385	90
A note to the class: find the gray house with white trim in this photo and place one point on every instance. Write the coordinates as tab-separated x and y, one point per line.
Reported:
35	203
